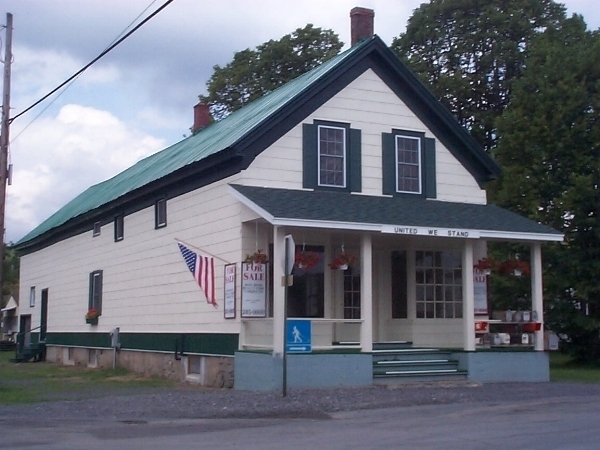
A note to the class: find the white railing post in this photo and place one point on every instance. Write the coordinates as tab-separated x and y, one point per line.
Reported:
468	296
537	296
278	289
366	293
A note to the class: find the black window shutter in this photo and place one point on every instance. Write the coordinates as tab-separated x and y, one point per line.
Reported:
309	156
388	163
429	168
355	161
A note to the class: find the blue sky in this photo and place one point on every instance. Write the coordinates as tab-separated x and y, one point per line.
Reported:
139	98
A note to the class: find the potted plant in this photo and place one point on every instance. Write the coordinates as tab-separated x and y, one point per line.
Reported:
257	258
515	267
91	316
485	265
306	260
343	261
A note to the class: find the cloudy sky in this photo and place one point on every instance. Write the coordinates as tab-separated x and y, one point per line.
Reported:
139	98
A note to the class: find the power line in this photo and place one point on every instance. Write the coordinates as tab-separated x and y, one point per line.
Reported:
93	61
73	78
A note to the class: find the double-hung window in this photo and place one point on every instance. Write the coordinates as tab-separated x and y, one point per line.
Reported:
95	299
119	228
331	156
160	213
408	164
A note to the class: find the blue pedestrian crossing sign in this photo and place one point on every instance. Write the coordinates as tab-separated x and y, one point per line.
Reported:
299	336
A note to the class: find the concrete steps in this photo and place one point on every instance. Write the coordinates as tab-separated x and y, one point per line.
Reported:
399	362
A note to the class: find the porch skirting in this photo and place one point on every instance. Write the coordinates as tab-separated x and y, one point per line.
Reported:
256	371
505	366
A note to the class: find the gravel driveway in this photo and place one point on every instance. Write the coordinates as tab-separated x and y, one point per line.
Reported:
186	402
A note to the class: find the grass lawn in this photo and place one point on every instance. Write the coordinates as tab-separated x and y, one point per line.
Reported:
563	369
35	382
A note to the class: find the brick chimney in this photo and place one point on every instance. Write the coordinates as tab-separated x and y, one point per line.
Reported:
201	117
361	24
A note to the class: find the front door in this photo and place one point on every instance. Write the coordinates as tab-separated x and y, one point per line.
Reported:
44	315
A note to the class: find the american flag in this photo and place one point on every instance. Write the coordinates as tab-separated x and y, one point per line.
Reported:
203	269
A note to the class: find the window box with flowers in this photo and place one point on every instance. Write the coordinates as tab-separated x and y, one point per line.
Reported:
258	257
306	260
91	316
343	261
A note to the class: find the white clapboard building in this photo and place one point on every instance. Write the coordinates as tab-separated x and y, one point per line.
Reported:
354	159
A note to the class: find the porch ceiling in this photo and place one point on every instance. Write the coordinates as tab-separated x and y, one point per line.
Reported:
400	215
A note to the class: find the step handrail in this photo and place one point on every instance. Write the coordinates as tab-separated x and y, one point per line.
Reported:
21	339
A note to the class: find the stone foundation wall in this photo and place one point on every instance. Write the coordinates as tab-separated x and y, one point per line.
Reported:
211	371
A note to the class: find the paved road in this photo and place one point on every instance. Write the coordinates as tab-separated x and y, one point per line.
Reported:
570	422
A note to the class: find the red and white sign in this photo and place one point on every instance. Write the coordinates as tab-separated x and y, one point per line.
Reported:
254	290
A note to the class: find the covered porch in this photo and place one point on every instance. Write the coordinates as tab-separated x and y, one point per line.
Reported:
413	280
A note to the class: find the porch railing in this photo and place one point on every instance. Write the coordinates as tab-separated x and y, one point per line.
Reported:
327	334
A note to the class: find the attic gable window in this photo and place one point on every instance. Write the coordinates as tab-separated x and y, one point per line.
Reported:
119	228
408	164
331	156
160	213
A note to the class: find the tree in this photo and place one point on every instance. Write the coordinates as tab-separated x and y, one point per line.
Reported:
254	73
10	282
549	147
469	52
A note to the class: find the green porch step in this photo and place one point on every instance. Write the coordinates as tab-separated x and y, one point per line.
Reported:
393	363
34	351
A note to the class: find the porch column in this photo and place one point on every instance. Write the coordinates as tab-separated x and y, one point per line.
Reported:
366	293
537	296
468	296
278	290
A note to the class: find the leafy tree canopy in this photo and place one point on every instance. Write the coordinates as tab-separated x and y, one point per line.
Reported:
254	73
470	51
10	281
549	148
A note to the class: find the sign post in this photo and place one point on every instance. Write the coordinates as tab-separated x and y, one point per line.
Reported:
288	265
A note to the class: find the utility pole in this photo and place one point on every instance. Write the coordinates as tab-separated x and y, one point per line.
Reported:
4	139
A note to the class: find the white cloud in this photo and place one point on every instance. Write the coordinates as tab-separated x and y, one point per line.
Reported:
37	72
60	157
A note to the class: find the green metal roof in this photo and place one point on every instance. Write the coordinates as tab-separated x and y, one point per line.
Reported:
407	210
249	130
208	141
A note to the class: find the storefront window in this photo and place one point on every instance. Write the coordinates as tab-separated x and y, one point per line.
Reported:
439	284
352	293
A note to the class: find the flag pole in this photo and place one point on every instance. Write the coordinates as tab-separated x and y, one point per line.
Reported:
203	251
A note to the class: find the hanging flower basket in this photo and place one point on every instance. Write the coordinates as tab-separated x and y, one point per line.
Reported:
306	260
514	267
91	316
257	258
485	265
343	261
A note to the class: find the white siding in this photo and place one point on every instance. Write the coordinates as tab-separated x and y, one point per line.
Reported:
147	286
369	105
